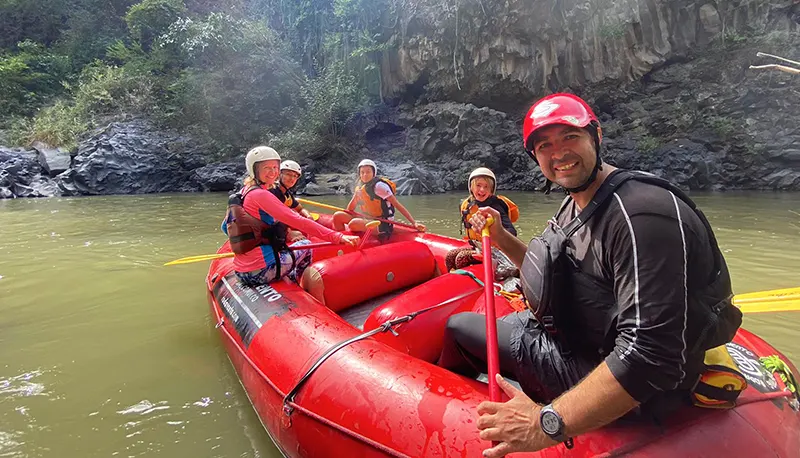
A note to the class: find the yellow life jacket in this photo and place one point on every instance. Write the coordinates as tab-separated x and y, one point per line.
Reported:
469	207
368	203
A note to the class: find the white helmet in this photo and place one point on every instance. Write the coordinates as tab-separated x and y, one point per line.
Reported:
291	165
258	154
482	172
369	163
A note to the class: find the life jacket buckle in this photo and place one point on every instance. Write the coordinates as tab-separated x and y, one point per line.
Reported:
549	323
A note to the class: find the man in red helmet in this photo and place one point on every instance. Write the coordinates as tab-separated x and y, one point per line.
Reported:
626	289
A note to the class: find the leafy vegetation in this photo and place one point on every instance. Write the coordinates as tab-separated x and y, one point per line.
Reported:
724	127
232	72
613	30
648	144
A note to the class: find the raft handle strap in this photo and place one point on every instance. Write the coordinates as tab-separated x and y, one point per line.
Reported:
388	325
498	292
776	365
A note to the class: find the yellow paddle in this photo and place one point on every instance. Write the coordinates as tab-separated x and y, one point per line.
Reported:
776	300
786	294
209	257
321	205
763	307
360	215
202	257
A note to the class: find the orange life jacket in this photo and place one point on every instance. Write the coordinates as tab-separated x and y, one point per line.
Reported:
368	203
469	207
246	232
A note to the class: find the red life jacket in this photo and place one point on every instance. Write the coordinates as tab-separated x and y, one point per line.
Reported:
246	232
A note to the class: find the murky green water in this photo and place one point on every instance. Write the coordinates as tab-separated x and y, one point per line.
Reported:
104	352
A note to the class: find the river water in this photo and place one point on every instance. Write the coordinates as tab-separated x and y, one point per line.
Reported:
104	352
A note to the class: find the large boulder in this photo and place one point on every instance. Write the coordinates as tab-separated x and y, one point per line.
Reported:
323	184
52	160
21	175
133	158
313	189
412	179
220	176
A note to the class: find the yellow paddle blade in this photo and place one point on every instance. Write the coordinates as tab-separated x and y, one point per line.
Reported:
373	224
786	294
314	216
778	306
204	257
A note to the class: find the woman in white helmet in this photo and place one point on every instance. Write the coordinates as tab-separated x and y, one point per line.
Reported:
374	197
284	187
482	186
257	224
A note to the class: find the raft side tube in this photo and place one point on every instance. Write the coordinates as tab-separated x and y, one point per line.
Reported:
341	282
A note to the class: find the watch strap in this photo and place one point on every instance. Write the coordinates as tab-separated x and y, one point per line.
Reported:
558	435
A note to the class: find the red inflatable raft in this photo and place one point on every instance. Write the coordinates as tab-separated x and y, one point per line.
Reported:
322	388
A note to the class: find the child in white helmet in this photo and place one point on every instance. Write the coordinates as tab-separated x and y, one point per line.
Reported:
284	187
482	186
374	197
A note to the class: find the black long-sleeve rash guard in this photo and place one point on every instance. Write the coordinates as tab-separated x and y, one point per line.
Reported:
653	252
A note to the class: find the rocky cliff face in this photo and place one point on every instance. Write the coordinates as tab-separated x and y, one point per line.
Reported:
494	53
668	78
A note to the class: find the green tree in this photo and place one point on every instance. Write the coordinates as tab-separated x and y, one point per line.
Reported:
151	18
240	83
40	21
91	27
29	77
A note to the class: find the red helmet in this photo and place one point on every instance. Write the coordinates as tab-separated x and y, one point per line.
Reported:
558	108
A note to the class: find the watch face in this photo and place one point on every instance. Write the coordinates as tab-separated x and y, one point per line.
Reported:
550	423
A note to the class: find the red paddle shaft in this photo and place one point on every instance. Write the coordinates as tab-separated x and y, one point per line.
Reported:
492	352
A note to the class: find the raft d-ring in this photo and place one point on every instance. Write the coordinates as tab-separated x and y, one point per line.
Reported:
219	323
287	419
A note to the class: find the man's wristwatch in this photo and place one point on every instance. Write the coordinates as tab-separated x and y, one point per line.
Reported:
552	424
